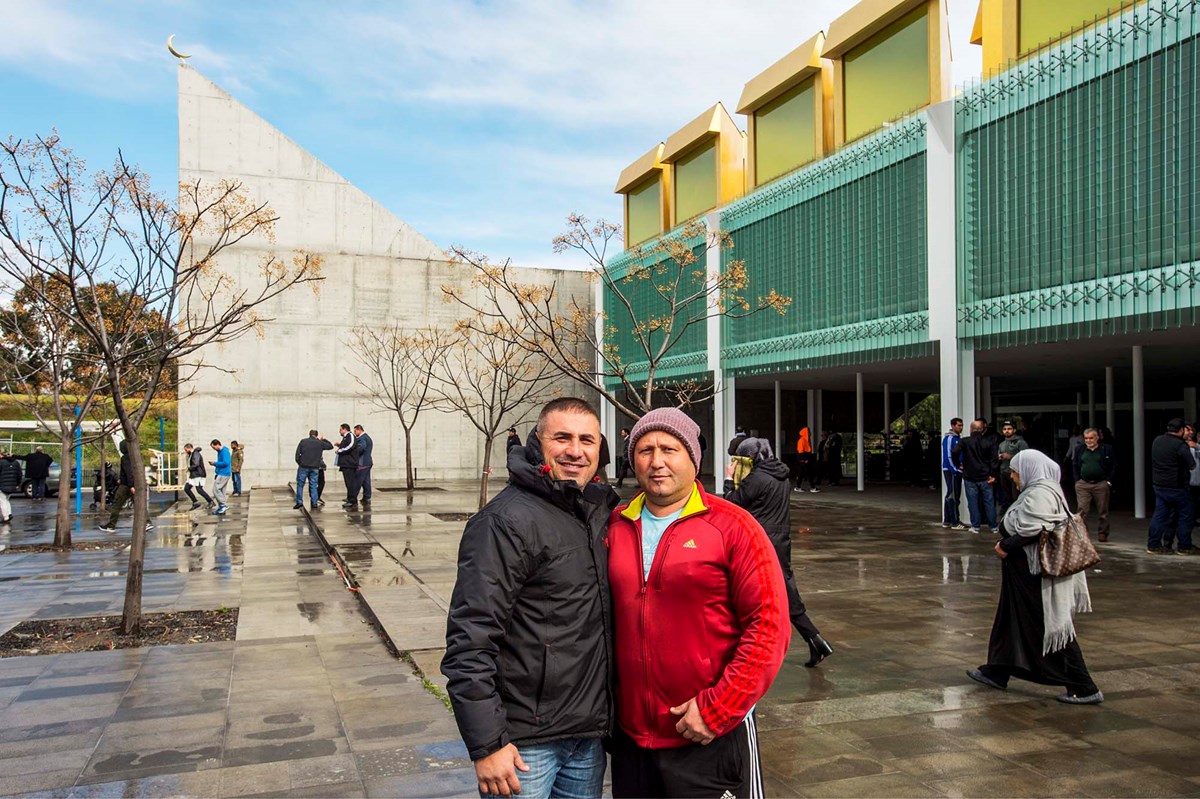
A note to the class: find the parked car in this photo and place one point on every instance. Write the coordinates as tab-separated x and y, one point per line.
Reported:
51	482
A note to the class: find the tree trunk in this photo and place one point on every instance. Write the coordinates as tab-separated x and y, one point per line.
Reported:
62	511
408	467
131	618
487	469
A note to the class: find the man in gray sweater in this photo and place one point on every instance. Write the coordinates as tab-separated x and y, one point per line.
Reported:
309	461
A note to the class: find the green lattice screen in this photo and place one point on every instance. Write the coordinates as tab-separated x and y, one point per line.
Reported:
648	303
1079	184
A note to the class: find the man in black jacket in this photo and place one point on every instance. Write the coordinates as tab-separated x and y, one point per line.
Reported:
1172	460
10	483
980	467
124	490
37	470
346	459
529	637
310	459
766	494
196	476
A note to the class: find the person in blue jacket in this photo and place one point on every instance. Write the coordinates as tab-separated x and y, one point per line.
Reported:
222	471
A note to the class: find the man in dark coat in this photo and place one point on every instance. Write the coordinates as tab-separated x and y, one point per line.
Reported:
365	448
310	459
10	483
529	636
765	493
37	470
1172	460
980	468
513	440
125	489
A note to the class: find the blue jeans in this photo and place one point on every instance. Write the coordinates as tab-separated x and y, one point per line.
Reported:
572	768
311	475
980	491
237	482
953	495
39	487
1166	500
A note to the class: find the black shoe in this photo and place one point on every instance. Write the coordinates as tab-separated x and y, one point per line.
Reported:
366	504
979	677
297	506
195	505
1188	551
1076	699
1155	551
818	650
350	505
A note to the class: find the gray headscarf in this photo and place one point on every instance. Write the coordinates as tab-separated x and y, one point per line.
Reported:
757	449
1040	507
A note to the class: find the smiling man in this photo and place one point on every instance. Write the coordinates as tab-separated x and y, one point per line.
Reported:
529	638
700	612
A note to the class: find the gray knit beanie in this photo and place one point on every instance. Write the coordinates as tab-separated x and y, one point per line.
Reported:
757	449
672	421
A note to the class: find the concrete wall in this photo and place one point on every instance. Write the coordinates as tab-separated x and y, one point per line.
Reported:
296	372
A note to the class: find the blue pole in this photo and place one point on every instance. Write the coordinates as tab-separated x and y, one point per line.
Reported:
162	433
78	463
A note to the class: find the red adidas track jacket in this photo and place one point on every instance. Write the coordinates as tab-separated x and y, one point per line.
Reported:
711	621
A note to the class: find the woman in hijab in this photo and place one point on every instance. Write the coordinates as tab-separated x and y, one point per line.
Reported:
1033	636
757	481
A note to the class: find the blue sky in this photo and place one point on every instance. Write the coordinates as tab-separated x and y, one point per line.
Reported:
480	123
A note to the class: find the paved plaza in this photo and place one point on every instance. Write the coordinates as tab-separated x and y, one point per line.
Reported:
311	701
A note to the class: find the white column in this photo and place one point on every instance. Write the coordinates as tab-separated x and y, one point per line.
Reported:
778	420
858	411
1091	403
724	410
608	413
1139	437
1109	399
887	431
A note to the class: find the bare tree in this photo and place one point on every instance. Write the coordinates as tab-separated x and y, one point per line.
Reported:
400	366
681	291
82	231
494	382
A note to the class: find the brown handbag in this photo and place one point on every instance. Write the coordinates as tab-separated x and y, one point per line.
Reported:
1067	549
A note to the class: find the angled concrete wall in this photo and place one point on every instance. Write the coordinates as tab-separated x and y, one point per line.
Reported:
378	269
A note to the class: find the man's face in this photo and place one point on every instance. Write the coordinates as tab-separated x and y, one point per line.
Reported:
664	469
188	449
571	446
1091	440
343	430
1009	431
957	428
216	447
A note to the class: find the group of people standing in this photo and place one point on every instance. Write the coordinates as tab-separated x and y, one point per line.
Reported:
353	456
227	467
37	470
982	464
822	462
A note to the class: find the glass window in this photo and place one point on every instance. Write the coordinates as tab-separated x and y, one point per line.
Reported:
1041	22
696	182
888	75
643	205
785	133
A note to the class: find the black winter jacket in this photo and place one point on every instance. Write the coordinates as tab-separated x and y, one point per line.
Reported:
1171	461
195	464
37	465
766	493
980	460
529	637
10	475
126	475
310	452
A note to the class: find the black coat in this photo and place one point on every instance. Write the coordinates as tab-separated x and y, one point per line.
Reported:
10	475
126	475
310	452
349	458
979	458
37	465
1171	461
529	637
766	494
195	464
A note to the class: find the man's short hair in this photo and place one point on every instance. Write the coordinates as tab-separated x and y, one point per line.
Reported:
566	405
1175	425
1092	430
39	449
313	433
955	420
343	426
982	420
216	442
188	445
358	427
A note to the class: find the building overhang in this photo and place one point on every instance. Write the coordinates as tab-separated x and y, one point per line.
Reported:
863	21
788	72
648	165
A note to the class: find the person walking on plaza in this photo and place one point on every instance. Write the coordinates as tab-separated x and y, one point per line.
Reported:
310	459
513	440
605	459
952	475
764	493
623	458
698	607
980	467
1033	636
345	457
237	457
1172	460
1094	469
222	468
196	477
37	471
125	489
833	459
804	463
1010	445
10	483
363	448
529	639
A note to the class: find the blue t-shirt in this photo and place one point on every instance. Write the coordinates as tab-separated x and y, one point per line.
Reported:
653	528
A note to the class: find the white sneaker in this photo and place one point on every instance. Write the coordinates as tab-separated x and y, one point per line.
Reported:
816	491
975	530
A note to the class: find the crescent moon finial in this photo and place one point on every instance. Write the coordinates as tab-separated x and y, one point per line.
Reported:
174	52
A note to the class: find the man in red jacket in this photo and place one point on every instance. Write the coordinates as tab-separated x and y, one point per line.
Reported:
701	622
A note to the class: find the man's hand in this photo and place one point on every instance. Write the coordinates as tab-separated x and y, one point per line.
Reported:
497	773
1000	550
692	725
991	480
730	469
